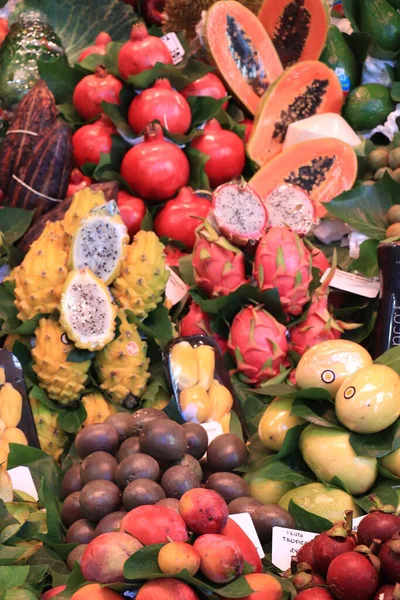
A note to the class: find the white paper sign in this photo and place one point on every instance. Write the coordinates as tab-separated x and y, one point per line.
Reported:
356	284
214	429
245	522
22	481
176	289
174	46
286	543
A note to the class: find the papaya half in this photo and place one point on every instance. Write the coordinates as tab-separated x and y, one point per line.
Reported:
323	167
308	88
298	28
242	51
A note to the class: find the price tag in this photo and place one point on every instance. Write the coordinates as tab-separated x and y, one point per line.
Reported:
245	522
22	481
357	521
176	289
286	543
356	284
213	429
173	44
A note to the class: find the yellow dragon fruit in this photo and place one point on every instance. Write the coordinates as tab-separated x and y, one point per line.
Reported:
51	437
62	380
122	365
144	275
40	278
97	409
55	231
82	203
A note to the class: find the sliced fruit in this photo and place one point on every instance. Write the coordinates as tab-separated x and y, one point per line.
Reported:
87	312
242	51
298	28
320	126
290	206
324	168
302	91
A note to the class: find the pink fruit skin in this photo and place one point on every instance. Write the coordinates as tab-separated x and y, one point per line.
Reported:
91	140
208	85
258	343
379	526
197	322
282	261
94	89
141	52
326	548
173	255
218	267
249	128
154	525
390	559
99	47
104	557
351	576
221	558
387	592
53	592
319	261
315	593
306	552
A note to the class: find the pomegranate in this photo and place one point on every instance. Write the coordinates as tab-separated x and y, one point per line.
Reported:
352	576
94	89
388	592
381	523
249	128
91	140
208	85
173	255
315	593
226	152
77	182
142	52
155	169
179	218
153	10
161	103
99	47
306	552
132	210
390	559
3	29
330	544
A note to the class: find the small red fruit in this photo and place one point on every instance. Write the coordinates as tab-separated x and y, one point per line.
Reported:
91	140
163	104
249	128
181	216
302	576
351	576
153	11
380	524
331	543
132	210
226	152
204	511
77	181
209	85
315	593
222	559
390	559
3	29
306	554
155	169
99	47
142	52
53	592
94	89
388	592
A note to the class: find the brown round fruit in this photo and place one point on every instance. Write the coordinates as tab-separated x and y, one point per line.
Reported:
145	415
110	522
98	499
71	510
141	492
75	556
393	214
163	439
197	439
171	503
123	423
127	448
136	466
97	437
393	230
191	463
177	480
80	532
96	466
378	158
226	452
266	517
245	504
71	481
229	485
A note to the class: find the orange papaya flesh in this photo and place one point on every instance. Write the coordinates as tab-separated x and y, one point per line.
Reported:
298	28
242	51
323	167
308	88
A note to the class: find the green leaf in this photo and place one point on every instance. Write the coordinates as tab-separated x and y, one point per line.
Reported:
71	420
36	573
10	555
315	412
157	325
8	310
250	405
113	112
70	114
78	23
384	491
186	269
46	557
280	471
19	594
204	108
147	78
198	177
41	465
377	444
60	78
235	425
14	222
391	358
395	91
367	262
308	521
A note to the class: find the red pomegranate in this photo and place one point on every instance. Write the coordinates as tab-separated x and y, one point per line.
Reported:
94	89
249	128
208	85
142	52
163	104
3	29
99	47
132	210
180	217
91	140
77	182
226	152
155	169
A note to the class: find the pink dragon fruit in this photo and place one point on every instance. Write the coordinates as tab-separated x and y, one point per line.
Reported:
282	261
258	343
197	322
218	266
173	255
239	213
289	206
319	260
320	325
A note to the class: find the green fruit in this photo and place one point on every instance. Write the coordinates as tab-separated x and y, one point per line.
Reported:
276	422
337	55
328	453
368	106
377	159
391	462
394	158
316	498
267	491
382	22
380	173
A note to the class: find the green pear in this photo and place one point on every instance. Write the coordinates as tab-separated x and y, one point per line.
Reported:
328	453
391	462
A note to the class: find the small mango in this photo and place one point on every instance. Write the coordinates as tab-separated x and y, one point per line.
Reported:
184	365
97	409
221	400
225	422
10	405
206	365
4	452
13	435
195	404
2	376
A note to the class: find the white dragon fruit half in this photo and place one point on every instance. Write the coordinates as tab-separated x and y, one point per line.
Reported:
289	206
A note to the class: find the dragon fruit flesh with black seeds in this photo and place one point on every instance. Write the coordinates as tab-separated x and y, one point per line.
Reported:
289	206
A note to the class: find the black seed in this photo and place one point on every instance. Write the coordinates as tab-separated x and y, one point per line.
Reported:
310	176
291	32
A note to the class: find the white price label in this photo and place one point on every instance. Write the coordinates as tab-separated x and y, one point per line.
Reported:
356	284
176	289
286	543
213	429
174	46
245	522
22	481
